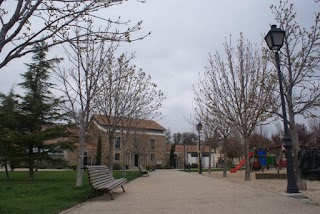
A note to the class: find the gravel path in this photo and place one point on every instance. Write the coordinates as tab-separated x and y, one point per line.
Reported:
270	185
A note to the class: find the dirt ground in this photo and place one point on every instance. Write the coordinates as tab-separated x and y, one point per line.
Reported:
270	185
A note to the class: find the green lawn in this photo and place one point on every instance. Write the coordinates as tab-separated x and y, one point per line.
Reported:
51	192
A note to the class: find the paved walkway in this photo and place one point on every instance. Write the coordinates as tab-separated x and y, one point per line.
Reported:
171	191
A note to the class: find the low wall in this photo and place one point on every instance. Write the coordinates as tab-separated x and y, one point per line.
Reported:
271	176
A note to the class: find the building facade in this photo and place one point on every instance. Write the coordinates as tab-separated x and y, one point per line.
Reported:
134	142
188	154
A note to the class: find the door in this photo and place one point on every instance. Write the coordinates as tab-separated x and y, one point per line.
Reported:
175	161
136	160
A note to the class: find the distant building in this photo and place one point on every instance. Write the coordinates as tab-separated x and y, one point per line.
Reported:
188	154
136	142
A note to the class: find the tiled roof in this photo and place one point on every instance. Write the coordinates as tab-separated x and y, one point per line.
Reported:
191	148
127	123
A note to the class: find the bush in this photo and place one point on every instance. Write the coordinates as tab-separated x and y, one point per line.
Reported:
116	166
73	167
194	165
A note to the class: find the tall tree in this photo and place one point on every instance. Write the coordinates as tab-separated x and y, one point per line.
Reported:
304	135
127	94
9	130
40	109
234	148
171	155
26	23
259	140
215	129
188	138
168	136
177	138
314	125
89	59
300	62
238	90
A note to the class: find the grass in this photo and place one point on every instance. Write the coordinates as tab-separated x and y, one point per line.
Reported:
51	192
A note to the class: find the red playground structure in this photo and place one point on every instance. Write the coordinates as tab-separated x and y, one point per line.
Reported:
240	164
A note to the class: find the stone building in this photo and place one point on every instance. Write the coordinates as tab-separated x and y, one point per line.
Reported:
135	142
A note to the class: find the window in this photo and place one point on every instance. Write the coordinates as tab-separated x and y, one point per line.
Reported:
205	154
117	143
117	156
152	157
194	154
152	144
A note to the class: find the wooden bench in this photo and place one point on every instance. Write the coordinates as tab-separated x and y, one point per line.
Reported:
101	180
143	171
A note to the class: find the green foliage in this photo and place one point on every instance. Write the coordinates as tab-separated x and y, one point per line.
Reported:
39	110
26	126
9	129
130	175
116	166
172	150
50	192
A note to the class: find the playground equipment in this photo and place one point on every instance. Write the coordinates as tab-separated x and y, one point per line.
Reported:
240	164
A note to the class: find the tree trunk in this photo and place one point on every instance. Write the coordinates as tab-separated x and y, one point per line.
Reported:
30	162
247	158
110	154
225	161
124	159
6	168
80	158
301	183
37	161
278	158
225	157
209	169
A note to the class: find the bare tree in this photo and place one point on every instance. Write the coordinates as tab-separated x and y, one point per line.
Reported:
233	147
25	23
314	125
238	90
300	65
127	94
214	130
88	60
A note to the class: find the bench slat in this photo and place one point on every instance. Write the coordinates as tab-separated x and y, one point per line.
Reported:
100	179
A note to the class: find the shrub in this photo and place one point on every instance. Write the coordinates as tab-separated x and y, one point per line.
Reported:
194	165
73	167
116	166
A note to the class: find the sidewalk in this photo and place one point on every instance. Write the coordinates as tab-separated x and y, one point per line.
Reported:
171	191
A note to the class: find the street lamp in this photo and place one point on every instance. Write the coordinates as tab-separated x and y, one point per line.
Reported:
274	39
199	127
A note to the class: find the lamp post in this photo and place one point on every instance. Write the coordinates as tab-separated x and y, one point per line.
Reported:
274	39
199	127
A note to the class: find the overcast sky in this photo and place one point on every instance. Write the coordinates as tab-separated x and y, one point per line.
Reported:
183	33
